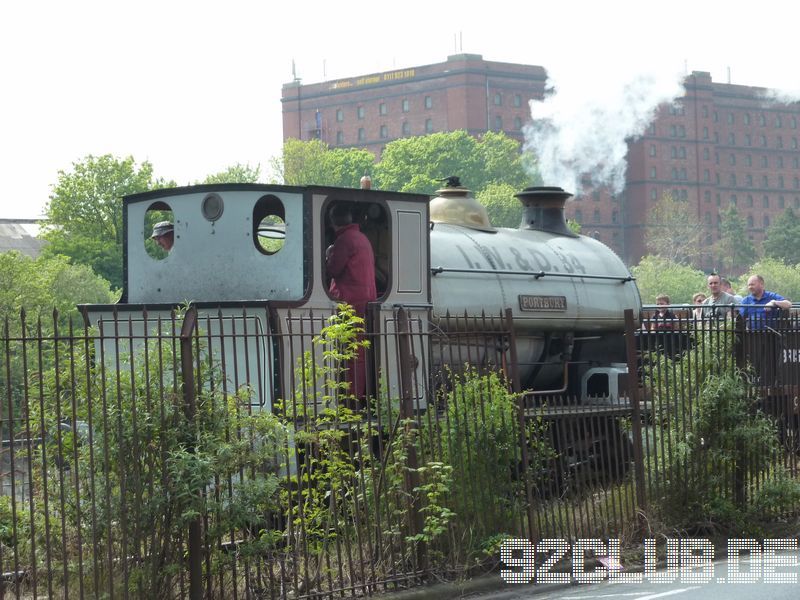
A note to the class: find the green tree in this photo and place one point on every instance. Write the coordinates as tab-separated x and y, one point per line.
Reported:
84	214
237	173
657	275
45	283
504	209
734	250
418	164
673	232
783	238
314	163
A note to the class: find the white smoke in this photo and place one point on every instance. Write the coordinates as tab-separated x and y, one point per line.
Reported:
579	131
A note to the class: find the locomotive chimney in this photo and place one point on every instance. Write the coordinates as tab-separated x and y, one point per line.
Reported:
544	210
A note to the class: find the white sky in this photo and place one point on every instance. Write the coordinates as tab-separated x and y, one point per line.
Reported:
195	86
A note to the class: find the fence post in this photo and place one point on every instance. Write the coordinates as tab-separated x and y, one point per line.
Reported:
195	545
516	386
636	415
406	360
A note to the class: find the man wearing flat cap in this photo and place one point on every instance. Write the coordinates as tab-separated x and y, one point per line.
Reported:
164	235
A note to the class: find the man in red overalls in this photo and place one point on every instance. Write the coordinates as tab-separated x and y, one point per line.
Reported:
350	263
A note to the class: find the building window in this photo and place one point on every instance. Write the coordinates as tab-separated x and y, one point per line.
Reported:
780	162
766	201
707	195
732	159
749	180
361	135
405	105
764	181
779	142
406	128
794	143
652	172
517	123
682	174
654	194
749	201
706	175
705	133
764	162
360	112
718	200
762	120
498	99
708	218
780	181
732	179
781	202
682	152
652	129
706	153
748	139
778	122
339	115
384	131
428	102
498	123
749	220
428	125
766	221
339	138
748	160
517	100
763	141
796	162
578	215
747	118
596	216
796	183
734	200
730	118
793	122
681	131
732	139
673	152
716	117
705	110
717	177
382	109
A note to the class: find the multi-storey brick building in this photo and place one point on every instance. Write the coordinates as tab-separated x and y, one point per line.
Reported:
719	144
466	92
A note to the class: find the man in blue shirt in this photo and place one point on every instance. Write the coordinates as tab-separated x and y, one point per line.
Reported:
761	307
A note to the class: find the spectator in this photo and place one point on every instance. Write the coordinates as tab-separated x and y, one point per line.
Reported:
726	287
718	297
697	302
761	307
664	318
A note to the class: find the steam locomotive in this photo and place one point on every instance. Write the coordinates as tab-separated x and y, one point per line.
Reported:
252	256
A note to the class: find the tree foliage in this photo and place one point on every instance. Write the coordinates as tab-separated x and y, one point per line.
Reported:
314	163
783	238
734	250
656	275
672	232
418	164
237	173
504	209
45	283
84	214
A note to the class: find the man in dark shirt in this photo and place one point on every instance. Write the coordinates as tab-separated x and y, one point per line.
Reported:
350	262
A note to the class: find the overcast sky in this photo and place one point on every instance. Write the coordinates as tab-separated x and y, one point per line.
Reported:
195	86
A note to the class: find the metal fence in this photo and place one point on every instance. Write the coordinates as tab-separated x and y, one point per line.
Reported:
223	455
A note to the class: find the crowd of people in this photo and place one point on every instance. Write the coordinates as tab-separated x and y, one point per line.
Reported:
760	308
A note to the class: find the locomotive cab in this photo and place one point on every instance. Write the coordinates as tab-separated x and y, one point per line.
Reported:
252	259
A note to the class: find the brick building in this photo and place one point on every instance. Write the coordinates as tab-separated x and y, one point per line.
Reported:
368	111
719	144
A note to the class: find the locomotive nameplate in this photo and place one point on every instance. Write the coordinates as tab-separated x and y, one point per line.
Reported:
542	303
